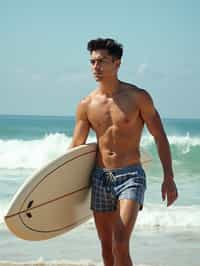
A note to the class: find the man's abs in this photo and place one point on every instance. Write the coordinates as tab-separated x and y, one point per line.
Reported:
118	151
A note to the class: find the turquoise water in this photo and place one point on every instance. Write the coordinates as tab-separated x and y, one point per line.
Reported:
33	127
29	142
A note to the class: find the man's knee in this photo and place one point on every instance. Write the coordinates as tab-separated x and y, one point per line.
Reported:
121	249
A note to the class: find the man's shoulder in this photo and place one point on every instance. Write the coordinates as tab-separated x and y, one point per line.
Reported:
135	90
85	101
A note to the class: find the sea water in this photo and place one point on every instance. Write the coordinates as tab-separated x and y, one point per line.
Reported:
162	236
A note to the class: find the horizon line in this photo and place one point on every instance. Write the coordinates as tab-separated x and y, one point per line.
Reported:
73	116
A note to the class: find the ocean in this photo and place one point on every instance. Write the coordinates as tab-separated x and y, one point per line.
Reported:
162	236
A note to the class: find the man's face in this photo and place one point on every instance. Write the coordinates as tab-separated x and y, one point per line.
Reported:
104	67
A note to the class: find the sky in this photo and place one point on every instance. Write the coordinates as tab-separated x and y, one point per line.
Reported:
44	63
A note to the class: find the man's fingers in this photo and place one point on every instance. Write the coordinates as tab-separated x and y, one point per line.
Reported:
171	197
169	202
169	190
163	194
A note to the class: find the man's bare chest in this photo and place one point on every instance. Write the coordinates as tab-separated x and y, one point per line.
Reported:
117	112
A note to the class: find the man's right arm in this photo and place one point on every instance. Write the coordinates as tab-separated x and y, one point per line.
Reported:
82	125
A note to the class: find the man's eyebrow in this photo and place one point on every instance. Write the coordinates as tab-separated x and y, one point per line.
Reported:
99	58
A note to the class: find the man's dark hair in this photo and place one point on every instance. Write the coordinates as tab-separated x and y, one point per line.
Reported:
114	49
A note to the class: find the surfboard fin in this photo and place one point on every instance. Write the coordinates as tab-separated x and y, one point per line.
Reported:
28	214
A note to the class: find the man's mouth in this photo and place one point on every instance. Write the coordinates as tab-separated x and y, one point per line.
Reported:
97	73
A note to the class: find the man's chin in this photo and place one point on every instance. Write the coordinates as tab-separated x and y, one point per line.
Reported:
98	78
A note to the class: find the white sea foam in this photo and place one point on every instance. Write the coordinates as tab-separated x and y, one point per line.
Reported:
3	207
59	263
184	142
42	262
33	154
159	216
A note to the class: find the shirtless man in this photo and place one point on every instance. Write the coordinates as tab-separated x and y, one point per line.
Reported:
117	112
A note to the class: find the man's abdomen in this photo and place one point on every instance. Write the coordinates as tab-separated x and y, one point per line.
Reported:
115	157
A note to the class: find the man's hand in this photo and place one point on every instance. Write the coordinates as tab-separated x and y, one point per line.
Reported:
169	189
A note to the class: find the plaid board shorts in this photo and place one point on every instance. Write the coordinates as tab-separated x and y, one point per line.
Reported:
111	185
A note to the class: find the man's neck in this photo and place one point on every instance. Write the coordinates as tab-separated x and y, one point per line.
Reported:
109	87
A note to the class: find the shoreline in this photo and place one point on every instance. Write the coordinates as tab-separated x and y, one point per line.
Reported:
156	247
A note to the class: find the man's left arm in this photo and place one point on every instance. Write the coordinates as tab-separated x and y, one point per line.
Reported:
153	122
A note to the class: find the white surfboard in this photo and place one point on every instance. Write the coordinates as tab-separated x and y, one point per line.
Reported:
56	198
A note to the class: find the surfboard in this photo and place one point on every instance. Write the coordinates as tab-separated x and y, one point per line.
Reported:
56	198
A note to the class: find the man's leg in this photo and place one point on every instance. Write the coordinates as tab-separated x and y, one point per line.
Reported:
123	224
104	223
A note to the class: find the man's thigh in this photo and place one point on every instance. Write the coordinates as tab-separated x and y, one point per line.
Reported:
125	218
119	223
104	223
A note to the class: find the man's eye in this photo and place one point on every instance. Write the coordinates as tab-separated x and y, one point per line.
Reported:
100	61
92	62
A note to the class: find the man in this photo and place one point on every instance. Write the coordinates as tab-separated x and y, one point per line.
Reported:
117	112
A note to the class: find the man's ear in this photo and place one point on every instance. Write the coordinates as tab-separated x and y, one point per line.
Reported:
118	62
